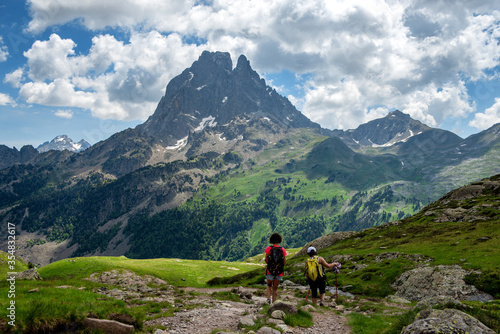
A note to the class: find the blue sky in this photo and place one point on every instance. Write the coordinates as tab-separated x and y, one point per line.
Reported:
91	68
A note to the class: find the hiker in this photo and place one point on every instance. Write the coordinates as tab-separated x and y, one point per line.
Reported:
315	275
276	260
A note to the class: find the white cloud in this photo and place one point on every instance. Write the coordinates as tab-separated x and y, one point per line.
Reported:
491	116
14	78
363	57
114	80
68	114
4	52
5	99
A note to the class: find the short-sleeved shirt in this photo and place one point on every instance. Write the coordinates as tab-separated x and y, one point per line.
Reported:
268	252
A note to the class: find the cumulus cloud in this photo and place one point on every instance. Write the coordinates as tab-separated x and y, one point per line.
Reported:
5	99
483	121
363	58
115	80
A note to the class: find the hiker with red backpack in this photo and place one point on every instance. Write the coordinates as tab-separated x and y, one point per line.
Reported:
315	274
276	260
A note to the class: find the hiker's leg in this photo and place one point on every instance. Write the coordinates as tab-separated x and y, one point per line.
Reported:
314	293
322	290
276	284
269	288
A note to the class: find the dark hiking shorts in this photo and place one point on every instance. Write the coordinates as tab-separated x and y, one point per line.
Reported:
320	284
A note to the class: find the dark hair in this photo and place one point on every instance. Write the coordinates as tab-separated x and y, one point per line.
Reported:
275	238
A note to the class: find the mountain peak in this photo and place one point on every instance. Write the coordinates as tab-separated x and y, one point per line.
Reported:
212	90
63	142
221	59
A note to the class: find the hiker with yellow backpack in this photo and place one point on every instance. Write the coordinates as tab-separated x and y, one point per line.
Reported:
315	274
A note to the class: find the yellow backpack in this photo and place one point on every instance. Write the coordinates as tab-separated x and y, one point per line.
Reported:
314	269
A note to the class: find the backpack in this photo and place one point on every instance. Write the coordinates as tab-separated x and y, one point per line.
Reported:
314	269
276	261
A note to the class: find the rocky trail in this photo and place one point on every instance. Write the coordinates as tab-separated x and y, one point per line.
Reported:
228	310
226	315
172	309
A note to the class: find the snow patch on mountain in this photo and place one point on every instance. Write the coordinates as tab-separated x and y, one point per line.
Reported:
206	121
179	145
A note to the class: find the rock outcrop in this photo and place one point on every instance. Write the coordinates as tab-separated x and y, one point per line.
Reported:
424	282
325	241
108	326
30	274
431	321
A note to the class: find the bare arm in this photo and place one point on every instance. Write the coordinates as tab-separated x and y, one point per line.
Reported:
325	264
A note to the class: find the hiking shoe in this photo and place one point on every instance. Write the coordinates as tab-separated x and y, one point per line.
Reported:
269	301
321	304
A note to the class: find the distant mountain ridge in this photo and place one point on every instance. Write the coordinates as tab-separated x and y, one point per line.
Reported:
63	142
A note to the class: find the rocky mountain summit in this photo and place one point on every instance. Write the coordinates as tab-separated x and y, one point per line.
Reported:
212	95
63	142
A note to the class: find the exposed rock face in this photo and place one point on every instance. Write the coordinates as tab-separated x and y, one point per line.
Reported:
325	241
431	321
30	274
211	94
425	282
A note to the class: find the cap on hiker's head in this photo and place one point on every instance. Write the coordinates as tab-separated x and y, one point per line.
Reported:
311	249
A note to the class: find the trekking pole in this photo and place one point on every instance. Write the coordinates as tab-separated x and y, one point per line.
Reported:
308	293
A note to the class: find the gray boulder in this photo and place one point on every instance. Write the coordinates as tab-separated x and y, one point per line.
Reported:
424	282
30	274
268	330
288	308
108	326
450	321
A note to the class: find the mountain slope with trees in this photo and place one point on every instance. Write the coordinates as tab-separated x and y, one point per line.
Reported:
224	161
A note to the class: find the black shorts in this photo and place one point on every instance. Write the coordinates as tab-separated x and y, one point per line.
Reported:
319	283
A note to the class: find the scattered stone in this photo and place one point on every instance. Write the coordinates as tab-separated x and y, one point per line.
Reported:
274	321
246	321
285	328
359	267
108	326
267	330
159	331
286	307
243	293
278	314
122	317
259	300
397	299
30	274
33	290
431	321
308	308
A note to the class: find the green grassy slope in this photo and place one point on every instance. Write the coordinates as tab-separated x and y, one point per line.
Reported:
50	308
